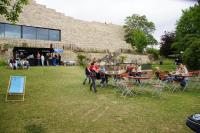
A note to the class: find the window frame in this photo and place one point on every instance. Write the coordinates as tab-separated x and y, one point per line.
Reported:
21	33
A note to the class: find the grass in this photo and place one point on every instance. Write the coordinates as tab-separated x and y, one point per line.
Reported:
56	101
167	65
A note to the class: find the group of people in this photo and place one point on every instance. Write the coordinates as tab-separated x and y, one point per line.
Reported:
135	70
180	75
18	63
95	71
49	59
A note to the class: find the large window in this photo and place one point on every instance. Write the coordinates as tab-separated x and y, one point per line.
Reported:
54	35
29	32
2	30
12	31
42	34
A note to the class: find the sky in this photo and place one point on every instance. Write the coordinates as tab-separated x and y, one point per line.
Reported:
163	13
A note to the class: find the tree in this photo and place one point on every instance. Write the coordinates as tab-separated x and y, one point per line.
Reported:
81	59
153	52
192	55
11	9
166	43
140	40
187	36
138	24
188	26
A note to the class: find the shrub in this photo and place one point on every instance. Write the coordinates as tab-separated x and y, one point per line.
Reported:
153	52
122	58
81	59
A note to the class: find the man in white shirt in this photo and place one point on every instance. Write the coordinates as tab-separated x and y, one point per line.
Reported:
42	59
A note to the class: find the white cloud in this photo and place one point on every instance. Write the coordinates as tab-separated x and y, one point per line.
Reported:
164	13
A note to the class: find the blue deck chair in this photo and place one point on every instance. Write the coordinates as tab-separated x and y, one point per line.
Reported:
16	87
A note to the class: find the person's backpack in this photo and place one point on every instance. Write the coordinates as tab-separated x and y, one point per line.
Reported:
87	71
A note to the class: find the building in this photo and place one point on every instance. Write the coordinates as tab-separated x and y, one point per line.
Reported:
41	27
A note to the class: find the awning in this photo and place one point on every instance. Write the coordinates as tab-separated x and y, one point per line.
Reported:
58	50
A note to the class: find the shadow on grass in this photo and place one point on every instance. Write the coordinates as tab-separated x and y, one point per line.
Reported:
34	129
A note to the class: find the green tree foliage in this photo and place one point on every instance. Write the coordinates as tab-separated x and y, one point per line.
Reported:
192	55
11	9
166	43
122	58
153	52
137	24
187	27
140	40
187	36
183	43
81	59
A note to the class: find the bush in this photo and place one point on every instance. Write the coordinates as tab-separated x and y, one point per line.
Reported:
153	52
191	56
81	59
122	58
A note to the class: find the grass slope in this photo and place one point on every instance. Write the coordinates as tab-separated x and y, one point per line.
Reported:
56	101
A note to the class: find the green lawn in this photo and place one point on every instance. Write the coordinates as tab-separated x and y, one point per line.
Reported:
57	102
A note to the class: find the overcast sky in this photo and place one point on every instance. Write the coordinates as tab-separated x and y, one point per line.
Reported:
164	13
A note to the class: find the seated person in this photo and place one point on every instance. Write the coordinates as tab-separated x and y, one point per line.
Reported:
183	72
138	72
129	70
157	73
26	64
104	76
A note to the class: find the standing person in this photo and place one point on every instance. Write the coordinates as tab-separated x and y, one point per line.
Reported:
138	72
47	59
87	75
11	64
59	59
93	71
38	59
50	59
42	59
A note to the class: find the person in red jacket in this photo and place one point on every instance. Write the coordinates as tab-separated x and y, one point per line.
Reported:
94	69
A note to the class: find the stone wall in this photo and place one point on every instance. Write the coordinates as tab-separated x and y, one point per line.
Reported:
77	32
74	34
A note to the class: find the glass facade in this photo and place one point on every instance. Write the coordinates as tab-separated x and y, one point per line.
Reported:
12	31
2	30
54	35
29	32
42	34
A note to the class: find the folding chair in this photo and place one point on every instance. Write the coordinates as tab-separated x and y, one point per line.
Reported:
158	87
16	87
127	88
195	79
